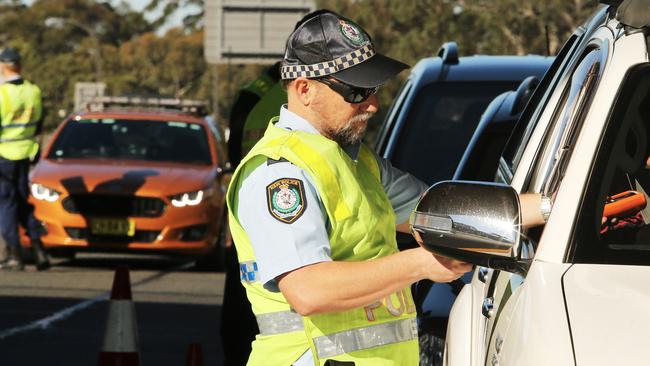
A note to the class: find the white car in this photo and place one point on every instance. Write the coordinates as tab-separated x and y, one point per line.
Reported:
575	291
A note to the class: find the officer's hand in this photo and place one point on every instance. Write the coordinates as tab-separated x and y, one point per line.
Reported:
443	269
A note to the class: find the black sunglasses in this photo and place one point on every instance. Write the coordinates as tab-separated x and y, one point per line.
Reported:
350	94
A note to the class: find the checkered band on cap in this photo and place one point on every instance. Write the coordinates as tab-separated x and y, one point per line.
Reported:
328	67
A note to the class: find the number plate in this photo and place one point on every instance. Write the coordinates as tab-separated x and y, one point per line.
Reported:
112	227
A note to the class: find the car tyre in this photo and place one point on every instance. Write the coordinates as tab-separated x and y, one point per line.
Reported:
215	260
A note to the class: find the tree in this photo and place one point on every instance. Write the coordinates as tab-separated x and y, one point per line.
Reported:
416	29
56	58
135	60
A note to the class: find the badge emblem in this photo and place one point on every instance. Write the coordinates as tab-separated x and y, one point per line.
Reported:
352	32
286	199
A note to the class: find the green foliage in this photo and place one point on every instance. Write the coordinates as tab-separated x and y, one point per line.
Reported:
168	7
412	30
121	47
55	56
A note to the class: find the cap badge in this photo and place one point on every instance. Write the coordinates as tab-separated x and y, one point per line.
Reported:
352	32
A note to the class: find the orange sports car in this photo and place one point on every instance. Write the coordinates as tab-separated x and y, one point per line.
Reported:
132	181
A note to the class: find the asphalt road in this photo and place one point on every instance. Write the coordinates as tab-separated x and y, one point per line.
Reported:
58	317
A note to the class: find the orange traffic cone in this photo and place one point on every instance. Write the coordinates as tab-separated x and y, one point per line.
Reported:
120	346
194	355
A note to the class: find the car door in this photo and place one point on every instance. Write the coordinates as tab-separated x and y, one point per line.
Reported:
560	171
556	153
479	310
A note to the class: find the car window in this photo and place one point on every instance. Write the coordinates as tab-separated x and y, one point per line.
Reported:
567	120
526	124
122	139
439	125
392	116
613	226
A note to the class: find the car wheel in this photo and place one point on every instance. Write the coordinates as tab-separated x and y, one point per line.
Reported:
431	349
215	260
64	253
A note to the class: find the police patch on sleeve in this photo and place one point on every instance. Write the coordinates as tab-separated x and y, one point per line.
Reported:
286	199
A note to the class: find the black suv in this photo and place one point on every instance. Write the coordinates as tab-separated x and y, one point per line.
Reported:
439	106
451	119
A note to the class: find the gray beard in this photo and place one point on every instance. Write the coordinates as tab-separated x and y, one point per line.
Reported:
351	133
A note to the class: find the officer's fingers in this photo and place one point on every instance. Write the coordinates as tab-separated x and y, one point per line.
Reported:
446	269
453	264
460	267
445	276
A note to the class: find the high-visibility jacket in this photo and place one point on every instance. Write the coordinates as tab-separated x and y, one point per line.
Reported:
20	113
260	85
362	228
265	109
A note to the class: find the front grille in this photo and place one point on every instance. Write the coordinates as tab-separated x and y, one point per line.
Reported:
114	206
140	236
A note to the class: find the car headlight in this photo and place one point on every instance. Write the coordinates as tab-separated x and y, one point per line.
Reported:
43	193
188	199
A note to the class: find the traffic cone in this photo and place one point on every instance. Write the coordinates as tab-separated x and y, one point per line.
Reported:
194	356
120	346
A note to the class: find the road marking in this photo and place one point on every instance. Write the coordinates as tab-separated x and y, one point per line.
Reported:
67	312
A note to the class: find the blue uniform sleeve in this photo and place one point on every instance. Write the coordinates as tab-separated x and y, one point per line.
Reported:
403	189
280	210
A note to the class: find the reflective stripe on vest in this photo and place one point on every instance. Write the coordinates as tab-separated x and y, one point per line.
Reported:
279	322
368	337
342	342
21	125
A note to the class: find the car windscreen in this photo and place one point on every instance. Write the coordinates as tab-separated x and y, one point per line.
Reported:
125	139
439	125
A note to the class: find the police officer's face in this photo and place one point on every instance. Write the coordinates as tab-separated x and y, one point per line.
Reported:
341	121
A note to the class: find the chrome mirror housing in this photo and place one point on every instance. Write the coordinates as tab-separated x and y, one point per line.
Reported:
475	222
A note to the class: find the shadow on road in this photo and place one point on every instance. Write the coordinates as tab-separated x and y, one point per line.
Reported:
75	341
137	262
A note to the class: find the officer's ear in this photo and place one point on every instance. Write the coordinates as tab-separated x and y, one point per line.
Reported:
302	89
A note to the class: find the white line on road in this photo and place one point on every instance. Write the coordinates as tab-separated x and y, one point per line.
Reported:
45	322
67	312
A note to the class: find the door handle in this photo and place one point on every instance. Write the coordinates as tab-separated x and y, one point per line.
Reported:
488	307
483	274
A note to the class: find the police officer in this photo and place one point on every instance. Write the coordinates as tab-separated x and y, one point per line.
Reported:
256	103
313	213
244	130
20	121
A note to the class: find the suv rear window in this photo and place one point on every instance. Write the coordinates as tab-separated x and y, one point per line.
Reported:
439	125
124	139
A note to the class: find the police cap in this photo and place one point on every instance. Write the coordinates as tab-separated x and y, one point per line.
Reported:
9	55
329	44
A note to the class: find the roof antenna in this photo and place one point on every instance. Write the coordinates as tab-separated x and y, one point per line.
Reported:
548	40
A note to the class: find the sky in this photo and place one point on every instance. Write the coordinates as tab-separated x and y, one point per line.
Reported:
175	21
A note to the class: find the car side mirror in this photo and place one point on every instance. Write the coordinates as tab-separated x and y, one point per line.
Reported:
524	91
474	222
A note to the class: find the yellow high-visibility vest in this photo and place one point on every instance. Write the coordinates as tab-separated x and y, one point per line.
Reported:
20	113
362	228
265	109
